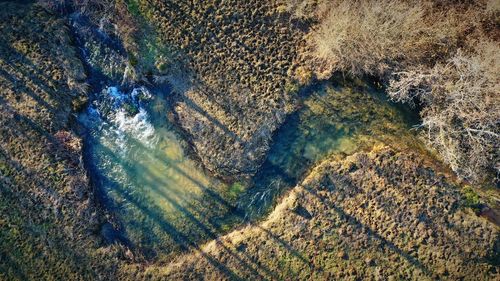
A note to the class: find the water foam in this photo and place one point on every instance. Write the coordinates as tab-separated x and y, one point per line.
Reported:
117	127
136	126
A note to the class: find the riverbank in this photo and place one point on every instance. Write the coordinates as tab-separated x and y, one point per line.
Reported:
377	215
49	219
347	190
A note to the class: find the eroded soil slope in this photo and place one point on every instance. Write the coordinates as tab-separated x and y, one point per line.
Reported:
382	215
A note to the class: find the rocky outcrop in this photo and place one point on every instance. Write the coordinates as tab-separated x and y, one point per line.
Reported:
382	215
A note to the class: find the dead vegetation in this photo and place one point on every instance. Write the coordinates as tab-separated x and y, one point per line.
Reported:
382	215
48	215
380	37
461	108
442	55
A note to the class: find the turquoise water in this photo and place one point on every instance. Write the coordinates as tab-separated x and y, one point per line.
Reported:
163	201
336	118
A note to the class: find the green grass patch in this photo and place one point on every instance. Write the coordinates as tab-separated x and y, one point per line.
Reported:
291	88
133	8
235	190
471	198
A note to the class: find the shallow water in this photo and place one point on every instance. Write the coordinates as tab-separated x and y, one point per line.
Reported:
146	179
337	118
165	202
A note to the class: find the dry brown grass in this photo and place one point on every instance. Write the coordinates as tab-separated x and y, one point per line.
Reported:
404	231
48	215
443	54
378	37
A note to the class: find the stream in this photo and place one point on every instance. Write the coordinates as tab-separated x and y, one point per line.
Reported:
165	202
160	201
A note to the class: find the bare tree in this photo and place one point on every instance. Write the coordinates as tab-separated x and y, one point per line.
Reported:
461	108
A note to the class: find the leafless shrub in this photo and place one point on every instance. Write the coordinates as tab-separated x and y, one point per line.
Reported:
493	6
378	37
461	108
416	44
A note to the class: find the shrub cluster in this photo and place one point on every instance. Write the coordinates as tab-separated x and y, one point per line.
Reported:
461	113
441	54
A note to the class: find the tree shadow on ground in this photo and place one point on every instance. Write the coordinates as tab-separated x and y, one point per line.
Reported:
372	233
